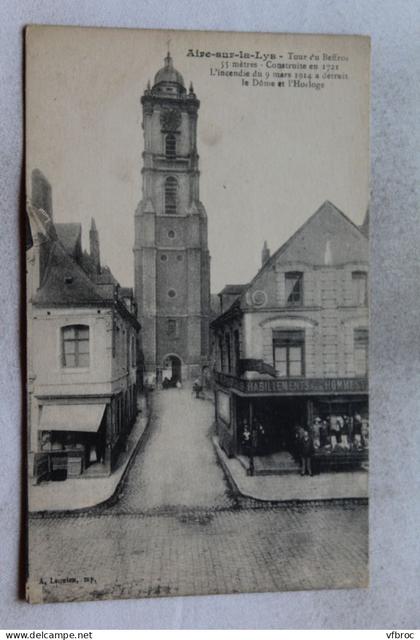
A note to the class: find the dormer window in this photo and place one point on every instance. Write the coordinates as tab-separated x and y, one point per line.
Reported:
171	193
170	146
294	288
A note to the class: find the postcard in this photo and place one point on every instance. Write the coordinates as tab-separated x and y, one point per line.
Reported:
197	312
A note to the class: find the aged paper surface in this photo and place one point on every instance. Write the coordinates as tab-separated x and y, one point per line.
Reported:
197	309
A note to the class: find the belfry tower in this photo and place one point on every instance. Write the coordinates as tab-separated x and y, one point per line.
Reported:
172	262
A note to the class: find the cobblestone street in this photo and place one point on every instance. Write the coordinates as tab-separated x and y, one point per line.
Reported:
178	466
186	533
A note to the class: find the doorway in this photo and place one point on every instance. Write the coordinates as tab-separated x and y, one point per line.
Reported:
172	369
279	418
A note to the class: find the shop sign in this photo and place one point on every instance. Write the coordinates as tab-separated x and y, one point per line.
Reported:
290	386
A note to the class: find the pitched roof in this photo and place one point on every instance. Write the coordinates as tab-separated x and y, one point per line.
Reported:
328	214
232	312
232	289
69	234
309	243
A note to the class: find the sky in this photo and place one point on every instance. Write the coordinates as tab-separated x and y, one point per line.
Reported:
269	157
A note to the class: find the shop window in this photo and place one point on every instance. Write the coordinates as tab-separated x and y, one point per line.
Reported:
172	328
294	288
171	194
361	350
288	353
75	346
170	146
359	287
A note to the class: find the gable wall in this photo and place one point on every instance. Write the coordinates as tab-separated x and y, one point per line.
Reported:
327	250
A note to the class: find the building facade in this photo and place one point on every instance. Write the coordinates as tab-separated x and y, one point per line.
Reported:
292	348
82	345
172	262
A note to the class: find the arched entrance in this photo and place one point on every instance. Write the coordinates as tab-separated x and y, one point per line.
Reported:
172	369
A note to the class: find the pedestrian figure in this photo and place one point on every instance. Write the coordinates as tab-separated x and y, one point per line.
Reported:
253	439
246	437
323	434
306	454
260	438
339	429
197	387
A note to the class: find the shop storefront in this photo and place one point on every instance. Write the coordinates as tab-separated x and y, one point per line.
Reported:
267	416
73	440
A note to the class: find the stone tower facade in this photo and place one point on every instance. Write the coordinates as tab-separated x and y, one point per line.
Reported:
172	262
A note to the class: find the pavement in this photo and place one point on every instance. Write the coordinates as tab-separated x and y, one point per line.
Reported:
292	486
85	492
177	467
179	529
198	552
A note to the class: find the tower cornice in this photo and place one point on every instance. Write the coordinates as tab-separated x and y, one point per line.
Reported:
191	104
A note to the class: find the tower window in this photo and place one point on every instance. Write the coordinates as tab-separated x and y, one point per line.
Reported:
170	146
171	193
164	257
172	293
171	234
172	328
180	257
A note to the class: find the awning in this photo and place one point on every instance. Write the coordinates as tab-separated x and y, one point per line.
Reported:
71	417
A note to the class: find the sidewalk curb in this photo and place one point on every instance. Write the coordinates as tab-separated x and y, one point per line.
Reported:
112	499
291	502
115	496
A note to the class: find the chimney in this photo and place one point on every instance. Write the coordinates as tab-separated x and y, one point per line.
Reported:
94	246
265	253
364	228
41	192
